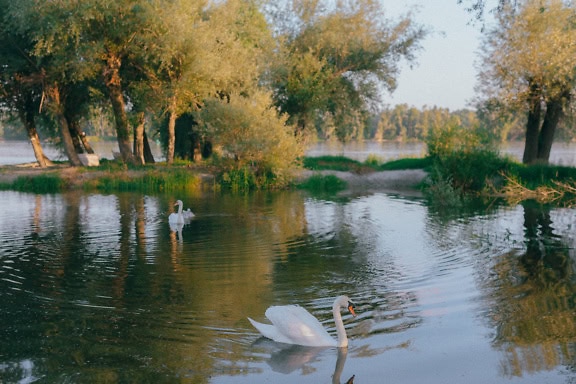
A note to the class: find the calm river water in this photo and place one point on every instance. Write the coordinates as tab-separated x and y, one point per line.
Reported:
98	288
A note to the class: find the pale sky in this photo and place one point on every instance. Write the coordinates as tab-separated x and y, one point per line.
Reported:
444	74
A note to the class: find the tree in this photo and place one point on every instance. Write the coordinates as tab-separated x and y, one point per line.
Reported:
478	7
528	62
20	78
205	51
337	60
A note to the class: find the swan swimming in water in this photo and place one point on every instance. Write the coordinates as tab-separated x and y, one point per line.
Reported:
188	214
292	324
180	217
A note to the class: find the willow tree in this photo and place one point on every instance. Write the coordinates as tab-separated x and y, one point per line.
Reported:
102	40
528	62
201	49
336	59
20	77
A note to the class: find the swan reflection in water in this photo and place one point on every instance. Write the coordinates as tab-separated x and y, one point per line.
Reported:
177	229
288	358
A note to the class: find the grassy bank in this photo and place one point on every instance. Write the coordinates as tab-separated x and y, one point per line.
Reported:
460	174
453	177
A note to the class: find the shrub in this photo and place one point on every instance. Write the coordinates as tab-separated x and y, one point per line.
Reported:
253	138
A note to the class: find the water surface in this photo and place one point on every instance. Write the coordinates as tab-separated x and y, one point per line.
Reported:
98	288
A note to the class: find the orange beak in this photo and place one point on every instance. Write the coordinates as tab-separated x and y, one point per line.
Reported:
351	309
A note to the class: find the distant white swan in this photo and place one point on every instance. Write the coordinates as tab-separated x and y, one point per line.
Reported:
292	324
188	214
176	218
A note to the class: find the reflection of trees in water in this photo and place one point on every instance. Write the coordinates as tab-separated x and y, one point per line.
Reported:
532	299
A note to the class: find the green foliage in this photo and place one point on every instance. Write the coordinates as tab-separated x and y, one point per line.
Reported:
153	181
408	163
323	184
463	158
334	59
345	164
469	170
442	193
37	184
451	138
538	175
373	161
245	180
251	137
335	163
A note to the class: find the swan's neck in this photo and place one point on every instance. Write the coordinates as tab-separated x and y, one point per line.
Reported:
340	330
180	209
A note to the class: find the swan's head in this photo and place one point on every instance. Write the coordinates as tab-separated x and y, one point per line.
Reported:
178	202
345	302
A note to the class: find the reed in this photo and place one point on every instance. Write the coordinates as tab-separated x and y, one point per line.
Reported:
38	184
151	181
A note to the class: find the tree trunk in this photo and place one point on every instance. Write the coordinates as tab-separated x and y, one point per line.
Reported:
554	112
139	140
148	156
73	126
80	141
171	131
85	142
27	118
114	86
57	111
532	127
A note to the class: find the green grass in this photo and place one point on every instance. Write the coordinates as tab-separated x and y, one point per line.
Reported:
372	163
320	184
408	163
37	184
152	181
334	163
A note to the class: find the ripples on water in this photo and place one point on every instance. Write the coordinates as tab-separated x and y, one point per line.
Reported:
96	288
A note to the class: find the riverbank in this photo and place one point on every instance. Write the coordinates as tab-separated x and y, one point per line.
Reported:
77	177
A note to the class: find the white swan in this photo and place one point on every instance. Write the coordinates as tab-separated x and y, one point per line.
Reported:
188	214
292	324
177	218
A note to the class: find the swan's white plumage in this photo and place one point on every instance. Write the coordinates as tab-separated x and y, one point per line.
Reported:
177	218
180	217
293	324
188	214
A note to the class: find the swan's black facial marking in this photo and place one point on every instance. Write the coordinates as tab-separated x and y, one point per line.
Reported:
351	308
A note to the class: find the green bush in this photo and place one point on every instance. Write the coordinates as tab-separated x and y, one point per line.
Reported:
252	139
323	184
469	171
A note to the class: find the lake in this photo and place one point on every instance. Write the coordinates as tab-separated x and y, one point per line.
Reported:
97	288
18	152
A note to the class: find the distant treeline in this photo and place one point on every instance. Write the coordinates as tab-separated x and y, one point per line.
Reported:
403	122
400	122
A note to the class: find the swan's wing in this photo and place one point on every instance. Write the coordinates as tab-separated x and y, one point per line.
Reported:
188	214
269	331
298	326
176	218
